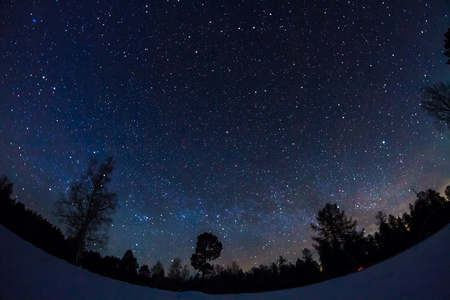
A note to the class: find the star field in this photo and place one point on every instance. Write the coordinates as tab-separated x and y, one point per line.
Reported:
239	118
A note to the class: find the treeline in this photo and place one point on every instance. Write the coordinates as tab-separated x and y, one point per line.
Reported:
341	247
29	225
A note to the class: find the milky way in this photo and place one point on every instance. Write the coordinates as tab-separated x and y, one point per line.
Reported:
242	119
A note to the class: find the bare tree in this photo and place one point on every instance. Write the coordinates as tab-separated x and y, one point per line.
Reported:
436	102
436	98
88	209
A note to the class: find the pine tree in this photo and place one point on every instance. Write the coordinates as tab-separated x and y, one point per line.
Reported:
208	249
429	213
175	269
157	270
6	188
335	232
144	271
185	273
310	268
128	266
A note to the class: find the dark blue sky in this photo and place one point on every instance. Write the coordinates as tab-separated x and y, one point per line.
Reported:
242	118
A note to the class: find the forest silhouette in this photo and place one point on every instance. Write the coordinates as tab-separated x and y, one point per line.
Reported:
341	247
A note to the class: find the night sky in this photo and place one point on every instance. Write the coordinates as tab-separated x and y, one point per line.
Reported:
242	118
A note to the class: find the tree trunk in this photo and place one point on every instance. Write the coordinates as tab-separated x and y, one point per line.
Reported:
79	257
80	240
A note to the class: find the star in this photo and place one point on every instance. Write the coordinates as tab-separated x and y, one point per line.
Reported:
238	119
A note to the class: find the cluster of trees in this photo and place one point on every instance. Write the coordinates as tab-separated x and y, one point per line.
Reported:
29	225
342	248
87	213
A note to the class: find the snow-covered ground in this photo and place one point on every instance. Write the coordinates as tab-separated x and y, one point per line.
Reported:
422	272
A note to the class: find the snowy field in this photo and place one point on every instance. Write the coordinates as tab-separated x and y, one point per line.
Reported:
422	272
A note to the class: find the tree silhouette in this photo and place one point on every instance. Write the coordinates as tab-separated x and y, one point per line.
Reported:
436	102
6	203
335	232
28	224
447	45
217	270
429	213
157	270
185	272
385	238
128	267
308	269
208	249
175	269
6	188
144	271
87	210
143	275
436	98
281	261
334	226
